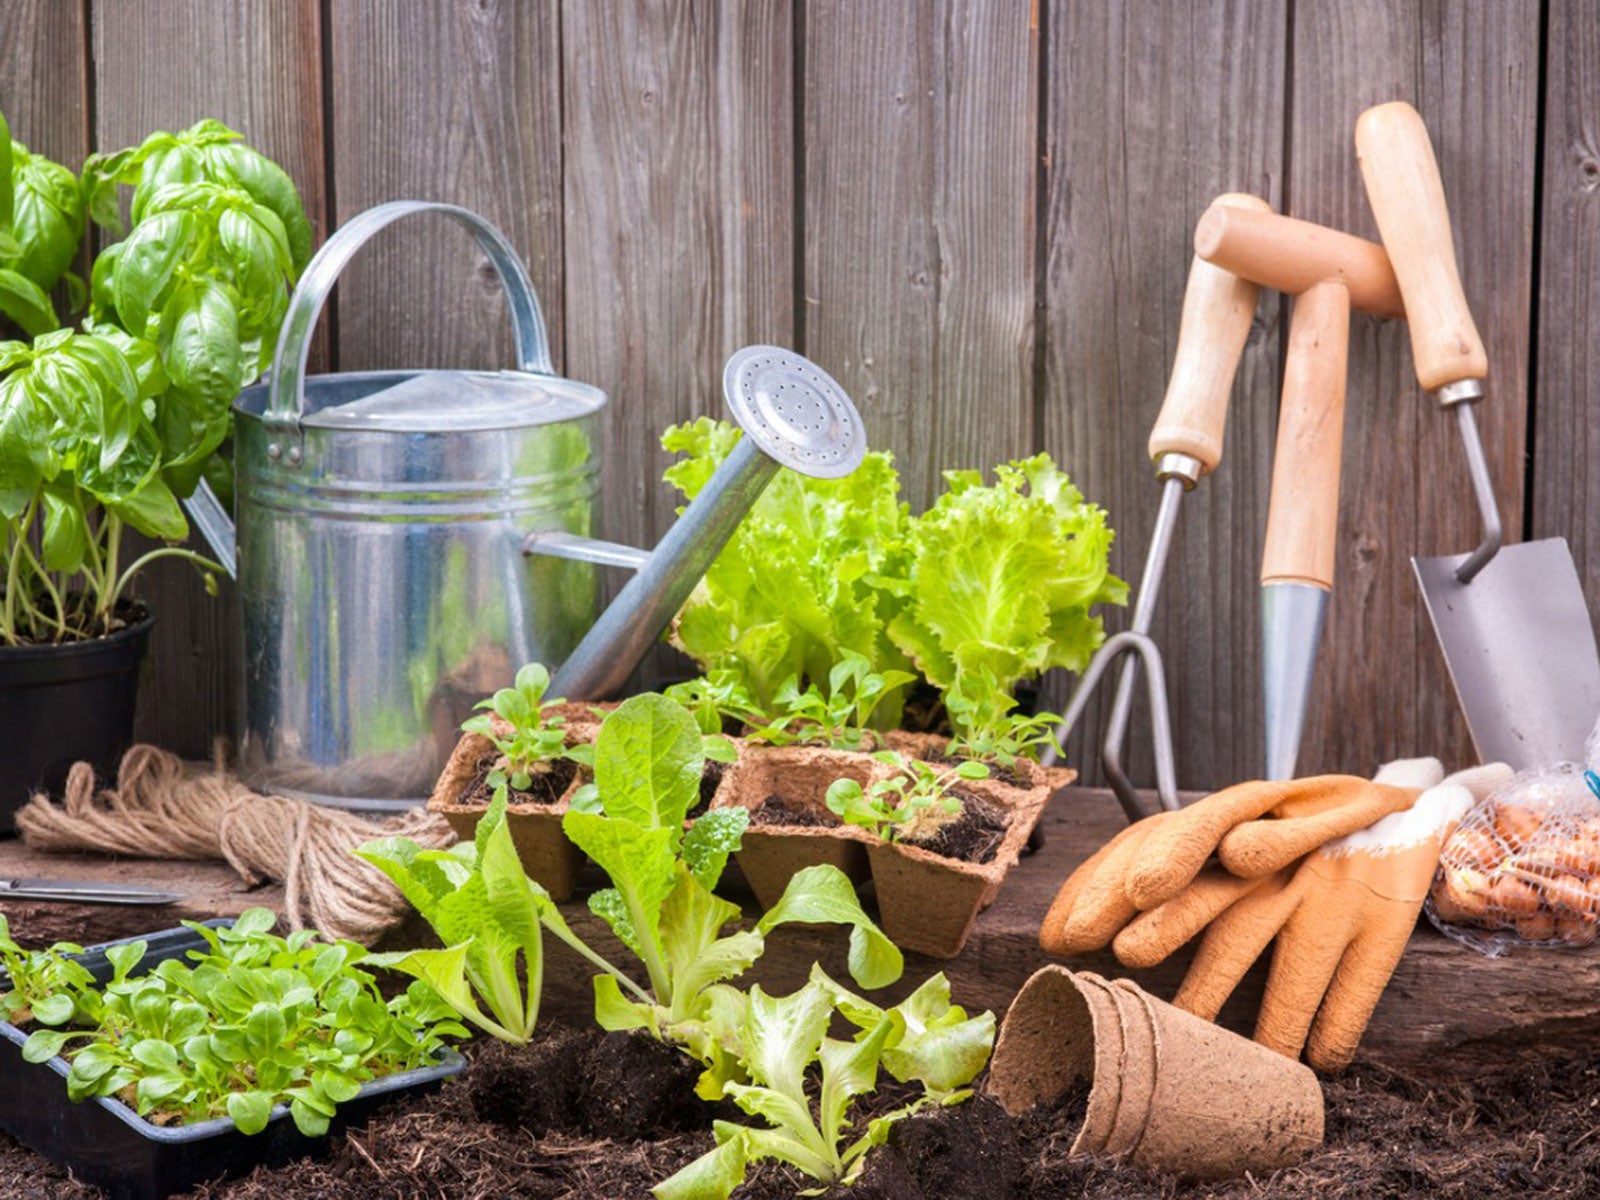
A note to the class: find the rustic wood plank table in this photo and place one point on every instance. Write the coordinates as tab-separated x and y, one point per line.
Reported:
1446	1008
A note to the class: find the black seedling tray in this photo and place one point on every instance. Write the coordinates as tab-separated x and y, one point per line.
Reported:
104	1142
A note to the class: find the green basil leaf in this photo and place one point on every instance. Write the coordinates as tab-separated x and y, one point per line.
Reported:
270	186
47	221
200	343
153	510
6	201
147	264
26	304
23	453
166	165
66	531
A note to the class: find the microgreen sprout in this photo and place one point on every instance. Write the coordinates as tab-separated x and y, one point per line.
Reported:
913	803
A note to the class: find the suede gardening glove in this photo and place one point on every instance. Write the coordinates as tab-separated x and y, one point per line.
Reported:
1264	825
1342	919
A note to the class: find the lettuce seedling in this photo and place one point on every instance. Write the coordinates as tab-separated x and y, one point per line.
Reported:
914	803
1002	739
252	1021
536	738
839	719
648	762
777	1039
488	914
716	699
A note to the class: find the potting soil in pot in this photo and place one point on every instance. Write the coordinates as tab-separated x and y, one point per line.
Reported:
974	835
544	787
1524	1131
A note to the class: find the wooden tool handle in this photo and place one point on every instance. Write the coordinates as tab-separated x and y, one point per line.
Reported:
1218	307
1292	255
1303	517
1407	197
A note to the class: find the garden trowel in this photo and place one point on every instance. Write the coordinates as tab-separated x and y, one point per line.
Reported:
1511	620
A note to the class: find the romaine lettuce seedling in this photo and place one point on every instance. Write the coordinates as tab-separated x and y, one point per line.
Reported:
777	1039
914	803
1003	739
648	761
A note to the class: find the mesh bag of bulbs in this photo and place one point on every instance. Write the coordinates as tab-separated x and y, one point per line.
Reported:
1523	867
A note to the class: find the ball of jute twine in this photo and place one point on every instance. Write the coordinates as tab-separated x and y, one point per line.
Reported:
163	808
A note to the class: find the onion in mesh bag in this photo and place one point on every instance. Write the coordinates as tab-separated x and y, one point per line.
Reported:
1523	867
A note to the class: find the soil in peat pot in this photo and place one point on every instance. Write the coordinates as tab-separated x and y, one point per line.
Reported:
710	779
585	1115
779	810
545	787
1000	774
974	836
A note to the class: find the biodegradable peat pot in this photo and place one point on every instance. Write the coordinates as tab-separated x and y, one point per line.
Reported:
105	1143
1189	1098
66	703
769	855
928	902
548	857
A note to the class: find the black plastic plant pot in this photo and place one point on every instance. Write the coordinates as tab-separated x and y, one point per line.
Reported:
105	1143
67	703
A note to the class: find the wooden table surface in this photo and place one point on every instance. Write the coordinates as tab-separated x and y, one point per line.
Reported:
1446	1007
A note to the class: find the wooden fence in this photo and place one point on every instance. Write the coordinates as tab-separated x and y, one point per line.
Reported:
975	213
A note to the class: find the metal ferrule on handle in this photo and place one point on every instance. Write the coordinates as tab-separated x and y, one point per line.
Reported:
625	631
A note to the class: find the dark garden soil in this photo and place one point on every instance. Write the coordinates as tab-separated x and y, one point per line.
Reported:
710	779
778	810
581	1115
974	836
545	787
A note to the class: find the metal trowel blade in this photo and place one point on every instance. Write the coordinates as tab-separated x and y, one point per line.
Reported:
1521	651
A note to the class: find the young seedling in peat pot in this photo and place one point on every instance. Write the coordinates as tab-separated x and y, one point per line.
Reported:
532	756
913	804
843	718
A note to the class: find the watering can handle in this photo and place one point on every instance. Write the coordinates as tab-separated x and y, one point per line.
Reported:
286	395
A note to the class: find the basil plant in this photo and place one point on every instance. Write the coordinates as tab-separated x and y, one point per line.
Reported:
107	424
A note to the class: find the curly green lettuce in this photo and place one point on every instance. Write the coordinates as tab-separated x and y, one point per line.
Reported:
795	589
1002	583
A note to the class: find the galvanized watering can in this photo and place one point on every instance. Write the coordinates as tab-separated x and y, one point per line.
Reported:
407	539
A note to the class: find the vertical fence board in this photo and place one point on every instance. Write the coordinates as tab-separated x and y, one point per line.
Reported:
454	102
919	225
44	77
679	200
255	65
1153	113
1566	451
1471	71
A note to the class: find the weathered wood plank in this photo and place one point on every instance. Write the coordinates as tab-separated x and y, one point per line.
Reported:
920	126
680	235
1471	71
1154	111
1446	1007
256	65
44	77
452	102
1566	450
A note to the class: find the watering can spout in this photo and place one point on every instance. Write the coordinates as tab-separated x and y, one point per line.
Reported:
793	415
216	526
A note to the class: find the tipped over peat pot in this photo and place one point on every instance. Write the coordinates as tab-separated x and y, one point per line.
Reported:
1166	1091
105	1143
65	703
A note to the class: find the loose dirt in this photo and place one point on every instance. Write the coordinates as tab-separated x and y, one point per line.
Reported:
544	787
974	836
581	1115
